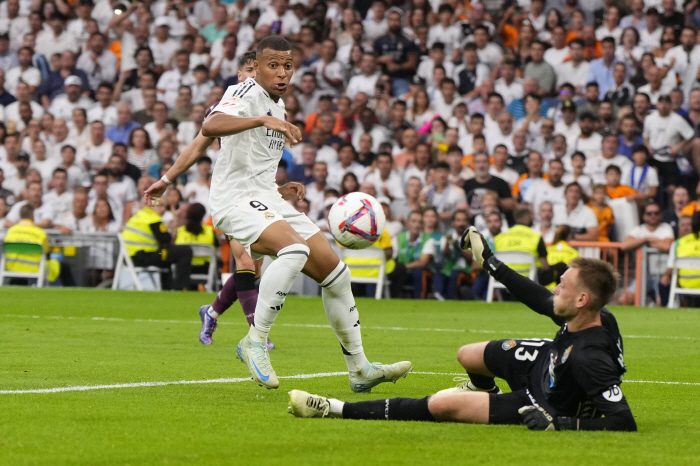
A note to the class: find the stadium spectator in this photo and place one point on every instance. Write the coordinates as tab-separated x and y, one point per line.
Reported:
522	238
43	214
603	213
549	189
77	219
483	181
25	231
673	214
452	279
544	226
414	249
652	232
580	218
386	180
534	173
121	132
59	198
396	53
685	246
62	106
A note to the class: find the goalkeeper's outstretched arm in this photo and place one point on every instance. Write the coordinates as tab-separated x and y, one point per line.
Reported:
533	295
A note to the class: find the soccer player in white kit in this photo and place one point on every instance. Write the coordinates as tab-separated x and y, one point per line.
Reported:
246	205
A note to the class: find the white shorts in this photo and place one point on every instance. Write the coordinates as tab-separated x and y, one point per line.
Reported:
246	221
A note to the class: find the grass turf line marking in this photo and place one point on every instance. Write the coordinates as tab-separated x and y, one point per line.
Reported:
318	375
401	329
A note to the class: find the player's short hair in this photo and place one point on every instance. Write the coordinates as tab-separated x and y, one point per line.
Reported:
598	277
276	43
245	58
26	212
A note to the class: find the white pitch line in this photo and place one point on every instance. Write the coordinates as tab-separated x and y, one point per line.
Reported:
83	388
399	329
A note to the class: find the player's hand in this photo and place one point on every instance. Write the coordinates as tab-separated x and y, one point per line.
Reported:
537	418
151	196
474	241
289	130
292	190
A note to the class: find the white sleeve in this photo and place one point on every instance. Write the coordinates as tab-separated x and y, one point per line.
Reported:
591	219
671	255
652	177
684	129
529	196
428	247
240	102
130	193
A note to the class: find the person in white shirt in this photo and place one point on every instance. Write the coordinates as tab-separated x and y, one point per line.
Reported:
99	64
95	155
508	85
445	32
170	82
77	174
12	111
328	70
61	137
77	219
79	26
596	165
56	39
653	232
488	52
226	65
198	191
376	26
443	195
503	134
366	81
281	19
500	168
611	27
62	106
558	52
550	190
436	57
650	35
60	199
446	99
655	87
346	164
544	226
580	218
104	109
161	45
386	180
24	72
367	124
15	23
574	71
588	141
43	213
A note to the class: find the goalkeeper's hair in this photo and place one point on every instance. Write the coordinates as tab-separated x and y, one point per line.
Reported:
276	43
598	277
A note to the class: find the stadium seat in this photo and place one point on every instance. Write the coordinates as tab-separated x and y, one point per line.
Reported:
124	260
370	253
513	258
208	252
23	248
691	263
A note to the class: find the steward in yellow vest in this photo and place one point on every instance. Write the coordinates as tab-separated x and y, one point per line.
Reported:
25	232
688	246
522	238
195	232
149	244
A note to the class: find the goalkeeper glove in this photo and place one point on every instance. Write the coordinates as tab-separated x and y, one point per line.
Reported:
536	418
472	239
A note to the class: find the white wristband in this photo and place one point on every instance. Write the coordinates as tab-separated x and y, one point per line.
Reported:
167	181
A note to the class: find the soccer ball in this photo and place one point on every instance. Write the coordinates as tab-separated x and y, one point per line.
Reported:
356	220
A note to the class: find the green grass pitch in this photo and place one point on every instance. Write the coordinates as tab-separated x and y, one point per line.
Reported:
59	338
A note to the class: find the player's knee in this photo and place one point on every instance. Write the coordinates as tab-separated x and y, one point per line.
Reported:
470	355
441	407
339	279
294	255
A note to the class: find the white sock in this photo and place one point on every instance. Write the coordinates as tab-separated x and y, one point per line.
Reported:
274	286
336	407
341	311
212	312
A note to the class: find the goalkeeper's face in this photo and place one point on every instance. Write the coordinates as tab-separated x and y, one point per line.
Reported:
569	299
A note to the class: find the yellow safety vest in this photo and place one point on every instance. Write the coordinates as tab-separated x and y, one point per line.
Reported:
384	242
137	232
560	252
25	232
521	239
205	237
688	246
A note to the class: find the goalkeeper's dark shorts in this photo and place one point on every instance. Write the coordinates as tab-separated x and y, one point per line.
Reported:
503	409
511	359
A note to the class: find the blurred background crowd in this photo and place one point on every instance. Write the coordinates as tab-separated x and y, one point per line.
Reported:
499	114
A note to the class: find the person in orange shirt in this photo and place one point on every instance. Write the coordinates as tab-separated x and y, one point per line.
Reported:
325	104
478	145
694	206
613	187
603	212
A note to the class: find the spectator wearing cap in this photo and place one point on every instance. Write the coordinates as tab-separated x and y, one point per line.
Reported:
397	54
601	69
575	70
171	81
63	105
470	75
162	46
540	70
99	64
120	132
54	84
650	35
56	39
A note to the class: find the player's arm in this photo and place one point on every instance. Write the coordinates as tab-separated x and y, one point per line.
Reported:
533	295
194	150
220	124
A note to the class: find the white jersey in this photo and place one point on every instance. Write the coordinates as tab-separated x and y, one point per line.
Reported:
248	161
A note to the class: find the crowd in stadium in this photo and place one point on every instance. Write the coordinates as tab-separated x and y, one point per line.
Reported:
529	113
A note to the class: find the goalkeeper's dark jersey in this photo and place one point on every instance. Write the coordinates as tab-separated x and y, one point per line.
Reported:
581	372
